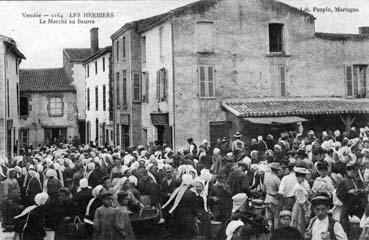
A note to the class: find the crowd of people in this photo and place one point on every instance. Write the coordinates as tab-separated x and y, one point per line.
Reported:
291	186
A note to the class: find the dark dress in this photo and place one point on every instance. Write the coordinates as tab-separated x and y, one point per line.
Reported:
184	216
238	183
34	228
69	209
82	198
33	187
89	219
222	205
148	187
53	187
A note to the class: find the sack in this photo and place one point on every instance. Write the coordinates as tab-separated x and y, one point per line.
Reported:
76	229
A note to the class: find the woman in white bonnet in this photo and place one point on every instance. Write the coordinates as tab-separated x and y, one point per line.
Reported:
35	218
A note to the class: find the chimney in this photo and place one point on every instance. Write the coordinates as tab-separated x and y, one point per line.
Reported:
363	30
94	32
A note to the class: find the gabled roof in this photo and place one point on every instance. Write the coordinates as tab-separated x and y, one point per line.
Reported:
77	54
12	46
98	54
44	80
195	8
341	36
294	106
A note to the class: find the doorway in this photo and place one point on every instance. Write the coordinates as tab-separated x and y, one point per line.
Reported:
55	135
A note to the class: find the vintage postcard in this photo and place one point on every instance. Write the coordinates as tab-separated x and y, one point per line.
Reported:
184	119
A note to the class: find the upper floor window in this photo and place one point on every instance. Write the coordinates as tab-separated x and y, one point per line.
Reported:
117	88
103	60
24	106
97	98
276	37
282	75
56	106
145	87
88	99
124	89
124	47
88	70
161	32
104	97
136	87
117	50
205	37
162	85
95	67
206	81
143	48
356	77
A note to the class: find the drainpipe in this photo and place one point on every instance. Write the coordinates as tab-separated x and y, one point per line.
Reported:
173	85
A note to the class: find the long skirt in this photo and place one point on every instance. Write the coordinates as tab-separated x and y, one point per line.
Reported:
298	218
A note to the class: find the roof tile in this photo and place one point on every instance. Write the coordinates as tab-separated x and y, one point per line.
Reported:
44	80
293	107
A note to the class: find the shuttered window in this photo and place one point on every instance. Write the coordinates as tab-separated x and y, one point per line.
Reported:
97	132
205	37
136	87
356	77
124	89
282	74
118	90
143	48
117	50
162	85
88	99
124	47
104	97
145	87
97	98
161	31
206	81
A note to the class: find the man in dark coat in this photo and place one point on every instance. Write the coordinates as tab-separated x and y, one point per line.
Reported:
168	185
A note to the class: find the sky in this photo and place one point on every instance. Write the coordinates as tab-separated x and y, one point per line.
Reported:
42	44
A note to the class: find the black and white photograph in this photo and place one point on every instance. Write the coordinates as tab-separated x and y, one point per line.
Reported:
184	120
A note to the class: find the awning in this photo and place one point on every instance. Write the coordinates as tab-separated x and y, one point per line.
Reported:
280	107
160	119
275	120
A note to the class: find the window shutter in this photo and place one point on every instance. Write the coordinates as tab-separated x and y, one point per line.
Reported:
348	79
62	108
147	86
282	71
202	81
29	107
165	80
158	85
211	87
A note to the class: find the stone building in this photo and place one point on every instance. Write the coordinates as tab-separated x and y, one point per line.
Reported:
10	58
73	64
99	118
214	67
48	107
126	71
